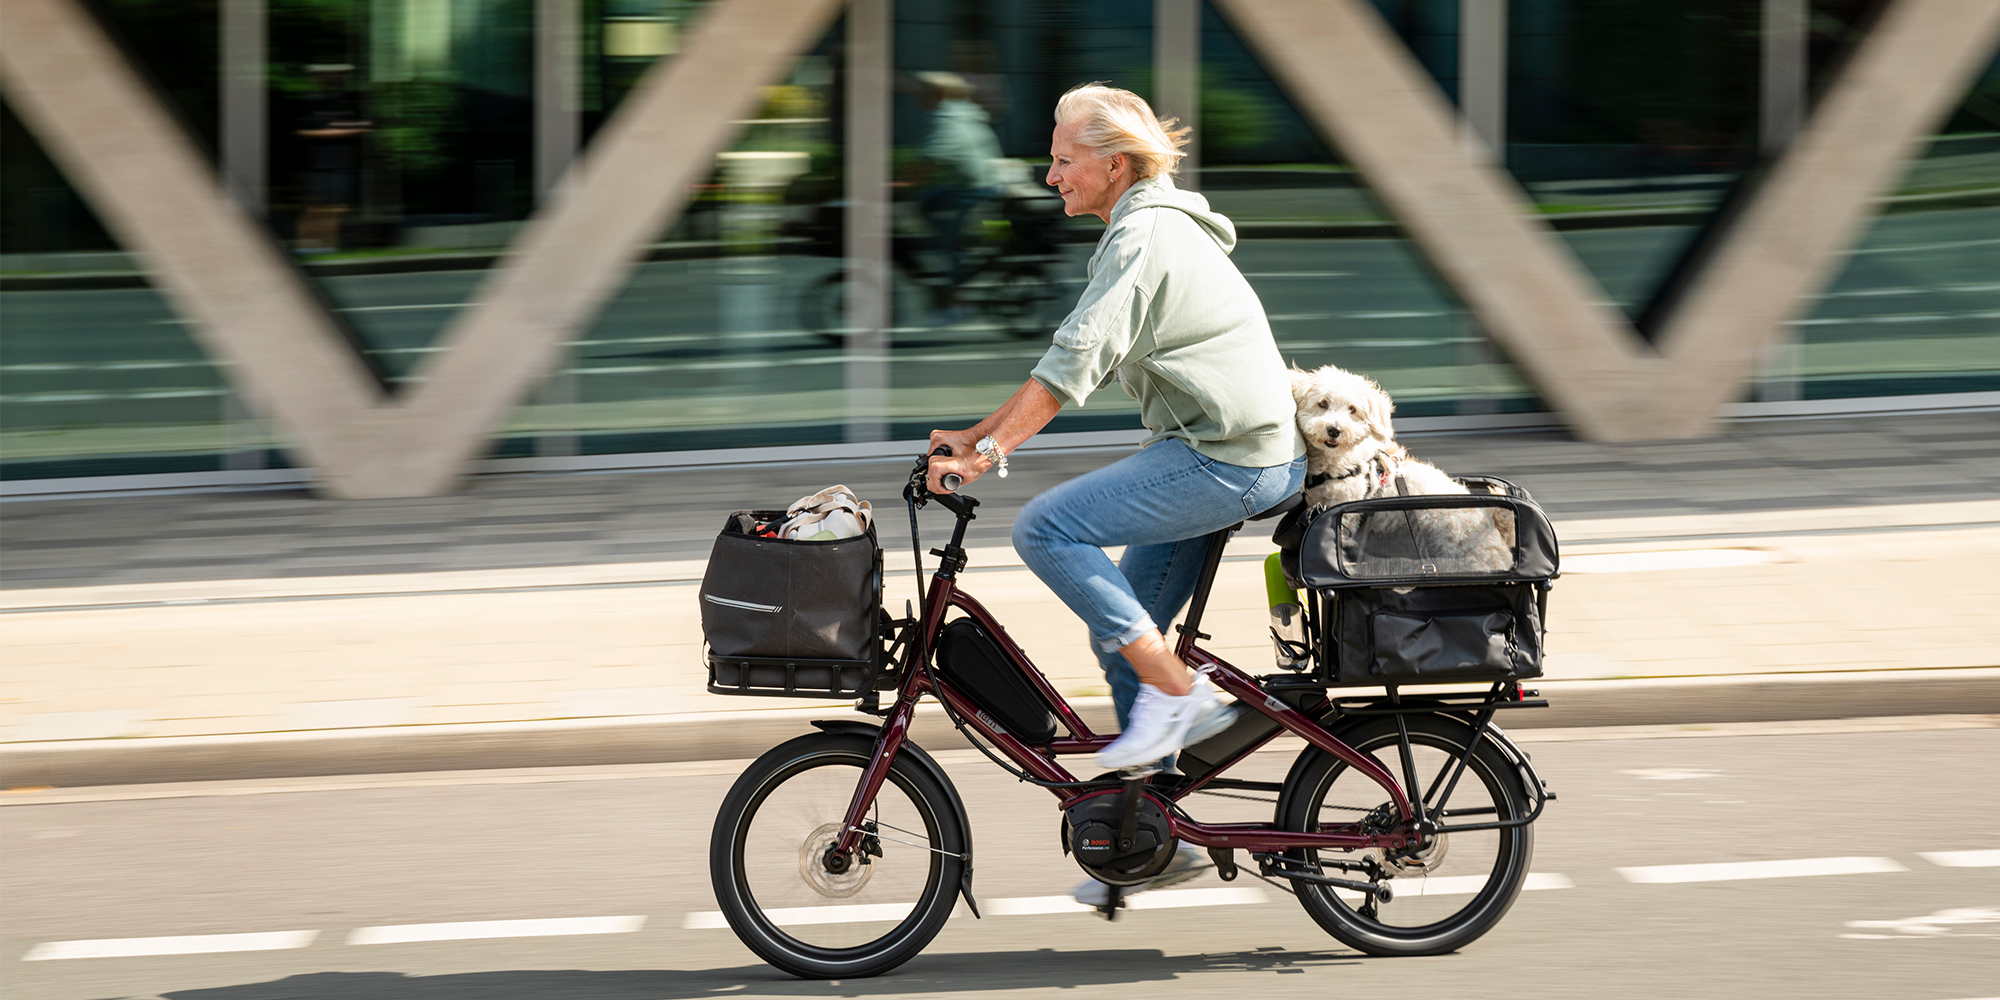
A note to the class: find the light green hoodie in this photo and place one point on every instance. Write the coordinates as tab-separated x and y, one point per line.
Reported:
1175	321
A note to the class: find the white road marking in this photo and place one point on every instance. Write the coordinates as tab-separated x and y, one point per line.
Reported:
1943	923
1670	773
1962	859
1673	559
1463	885
1735	870
472	930
193	944
794	916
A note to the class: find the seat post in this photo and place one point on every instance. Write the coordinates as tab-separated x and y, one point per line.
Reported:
1190	629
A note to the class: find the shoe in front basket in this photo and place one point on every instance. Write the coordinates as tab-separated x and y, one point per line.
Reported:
1158	725
834	512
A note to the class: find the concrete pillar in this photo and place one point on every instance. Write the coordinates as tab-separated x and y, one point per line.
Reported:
558	83
1177	76
1781	112
1781	98
870	78
244	158
244	112
1482	76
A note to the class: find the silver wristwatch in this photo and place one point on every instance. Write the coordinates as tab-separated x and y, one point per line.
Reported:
991	449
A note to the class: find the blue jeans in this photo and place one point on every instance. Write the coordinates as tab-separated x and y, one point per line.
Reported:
1161	504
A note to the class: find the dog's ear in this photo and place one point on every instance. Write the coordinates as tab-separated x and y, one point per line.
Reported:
1300	381
1377	408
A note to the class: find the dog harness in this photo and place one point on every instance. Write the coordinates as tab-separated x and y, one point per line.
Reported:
1380	486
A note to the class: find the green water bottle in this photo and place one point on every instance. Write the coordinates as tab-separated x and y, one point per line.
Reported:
1288	620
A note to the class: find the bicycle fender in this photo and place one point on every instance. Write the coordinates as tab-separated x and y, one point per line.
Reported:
1531	782
924	761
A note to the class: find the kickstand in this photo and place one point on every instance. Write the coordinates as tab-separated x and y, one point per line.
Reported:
1113	903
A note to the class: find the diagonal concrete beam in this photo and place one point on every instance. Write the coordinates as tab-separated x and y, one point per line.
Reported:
576	254
158	195
1790	241
252	310
1353	78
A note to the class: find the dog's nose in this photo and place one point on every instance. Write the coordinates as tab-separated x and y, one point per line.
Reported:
1333	436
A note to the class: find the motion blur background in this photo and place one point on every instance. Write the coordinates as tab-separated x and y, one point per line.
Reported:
395	147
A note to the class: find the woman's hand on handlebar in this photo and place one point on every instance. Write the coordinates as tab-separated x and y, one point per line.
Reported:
964	460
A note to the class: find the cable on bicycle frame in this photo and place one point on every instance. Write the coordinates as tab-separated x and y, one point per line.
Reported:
924	664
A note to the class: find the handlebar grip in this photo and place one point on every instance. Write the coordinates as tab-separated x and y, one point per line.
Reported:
952	481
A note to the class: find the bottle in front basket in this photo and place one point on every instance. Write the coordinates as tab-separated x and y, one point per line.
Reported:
1288	625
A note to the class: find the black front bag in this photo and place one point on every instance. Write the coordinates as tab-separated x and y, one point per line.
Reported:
791	617
971	661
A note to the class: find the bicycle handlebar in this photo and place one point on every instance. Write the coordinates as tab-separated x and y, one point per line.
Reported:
920	474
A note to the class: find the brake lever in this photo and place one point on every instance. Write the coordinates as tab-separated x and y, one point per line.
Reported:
918	489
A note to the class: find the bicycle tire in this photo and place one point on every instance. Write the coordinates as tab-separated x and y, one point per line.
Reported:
731	871
1494	888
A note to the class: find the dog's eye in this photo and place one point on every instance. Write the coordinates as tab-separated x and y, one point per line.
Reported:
1354	410
1324	403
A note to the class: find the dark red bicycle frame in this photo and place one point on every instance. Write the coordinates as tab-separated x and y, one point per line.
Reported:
1040	761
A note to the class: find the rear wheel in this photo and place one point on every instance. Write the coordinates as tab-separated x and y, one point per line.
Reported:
766	860
1451	889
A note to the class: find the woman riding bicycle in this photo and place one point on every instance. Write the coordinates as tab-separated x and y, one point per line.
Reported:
1168	314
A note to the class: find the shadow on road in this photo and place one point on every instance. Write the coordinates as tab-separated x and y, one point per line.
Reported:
924	975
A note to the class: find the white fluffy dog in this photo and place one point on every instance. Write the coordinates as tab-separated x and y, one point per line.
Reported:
1352	454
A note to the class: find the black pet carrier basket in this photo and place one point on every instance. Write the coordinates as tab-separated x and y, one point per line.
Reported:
1441	589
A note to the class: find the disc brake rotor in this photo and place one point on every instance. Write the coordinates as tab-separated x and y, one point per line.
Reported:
812	865
1416	861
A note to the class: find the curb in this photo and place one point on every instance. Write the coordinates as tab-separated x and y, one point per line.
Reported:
739	734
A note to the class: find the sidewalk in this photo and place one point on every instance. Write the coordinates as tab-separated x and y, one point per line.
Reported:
1828	549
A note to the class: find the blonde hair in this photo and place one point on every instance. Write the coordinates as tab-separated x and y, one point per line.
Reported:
1111	121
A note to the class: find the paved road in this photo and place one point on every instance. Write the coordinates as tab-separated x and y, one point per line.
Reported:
1906	818
708	343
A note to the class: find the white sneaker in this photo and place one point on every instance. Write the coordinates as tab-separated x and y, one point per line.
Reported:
1188	864
1158	725
1214	718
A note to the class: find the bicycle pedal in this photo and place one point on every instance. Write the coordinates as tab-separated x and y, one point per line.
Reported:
1112	904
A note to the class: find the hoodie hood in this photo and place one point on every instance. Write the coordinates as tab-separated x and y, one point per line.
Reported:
1160	192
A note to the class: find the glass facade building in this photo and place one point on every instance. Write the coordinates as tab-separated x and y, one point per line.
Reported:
395	149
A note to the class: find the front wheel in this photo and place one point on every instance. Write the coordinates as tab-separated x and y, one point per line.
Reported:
1451	889
771	836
